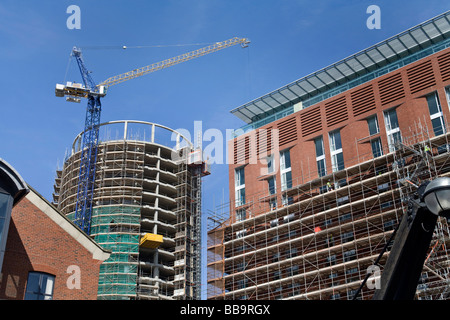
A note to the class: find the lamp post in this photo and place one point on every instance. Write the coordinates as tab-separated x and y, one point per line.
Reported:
406	259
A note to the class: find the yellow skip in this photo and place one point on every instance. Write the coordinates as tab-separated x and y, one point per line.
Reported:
151	240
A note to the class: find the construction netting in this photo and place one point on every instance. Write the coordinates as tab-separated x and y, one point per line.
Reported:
116	228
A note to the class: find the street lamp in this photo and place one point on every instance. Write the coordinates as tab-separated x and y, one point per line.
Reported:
437	196
412	240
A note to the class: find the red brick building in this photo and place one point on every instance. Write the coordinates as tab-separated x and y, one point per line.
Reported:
47	256
316	175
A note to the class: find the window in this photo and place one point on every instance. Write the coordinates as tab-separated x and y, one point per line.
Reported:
285	169
239	184
240	266
277	275
345	217
337	157
6	202
335	296
320	157
332	259
349	255
272	190
240	214
292	271
372	122
437	117
447	93
392	128
389	225
347	237
272	185
270	164
39	286
286	200
377	148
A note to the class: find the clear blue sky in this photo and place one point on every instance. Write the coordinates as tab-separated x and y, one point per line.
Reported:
289	39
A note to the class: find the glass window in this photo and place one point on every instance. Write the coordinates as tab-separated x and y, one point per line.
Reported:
286	180
285	169
270	164
320	157
372	122
335	141
239	177
322	170
39	286
437	117
272	185
240	197
337	157
240	215
392	128
239	182
5	211
377	148
285	162
391	119
433	103
319	146
5	214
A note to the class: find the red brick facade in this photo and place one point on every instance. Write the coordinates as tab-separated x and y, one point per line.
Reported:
404	89
36	242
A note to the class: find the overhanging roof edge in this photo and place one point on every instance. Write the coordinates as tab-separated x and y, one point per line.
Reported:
342	61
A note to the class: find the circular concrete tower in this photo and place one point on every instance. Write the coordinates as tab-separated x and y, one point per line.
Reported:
146	210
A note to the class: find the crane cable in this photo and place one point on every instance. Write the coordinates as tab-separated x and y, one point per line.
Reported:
140	47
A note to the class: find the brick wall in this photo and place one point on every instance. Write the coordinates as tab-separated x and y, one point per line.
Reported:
36	243
403	89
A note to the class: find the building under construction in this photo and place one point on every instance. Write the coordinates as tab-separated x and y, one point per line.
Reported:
323	172
146	210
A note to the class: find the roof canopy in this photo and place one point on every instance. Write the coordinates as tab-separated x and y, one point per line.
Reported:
363	62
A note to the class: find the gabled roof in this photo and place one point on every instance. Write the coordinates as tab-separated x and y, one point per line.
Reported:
68	226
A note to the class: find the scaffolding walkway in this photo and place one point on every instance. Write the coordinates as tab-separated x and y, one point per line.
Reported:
321	244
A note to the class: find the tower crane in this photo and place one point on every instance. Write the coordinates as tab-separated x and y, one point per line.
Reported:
74	92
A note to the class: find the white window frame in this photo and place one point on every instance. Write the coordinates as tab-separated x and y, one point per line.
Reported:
447	95
285	170
45	286
241	215
389	130
239	187
270	164
333	151
376	124
380	145
321	157
274	191
438	114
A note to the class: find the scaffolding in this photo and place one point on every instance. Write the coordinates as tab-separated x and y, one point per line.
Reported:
321	243
147	208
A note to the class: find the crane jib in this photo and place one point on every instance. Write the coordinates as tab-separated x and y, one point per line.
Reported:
75	91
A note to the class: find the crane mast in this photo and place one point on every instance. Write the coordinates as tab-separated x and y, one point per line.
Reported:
93	92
